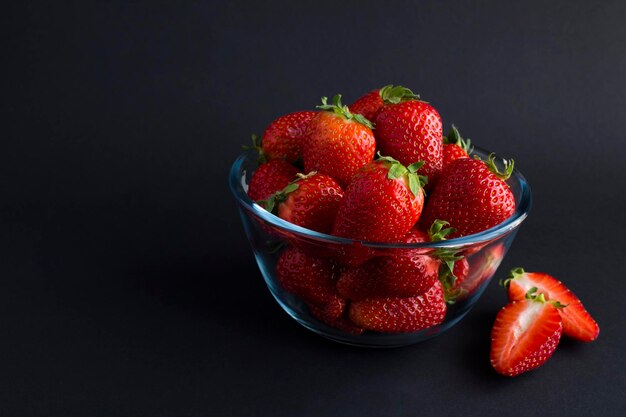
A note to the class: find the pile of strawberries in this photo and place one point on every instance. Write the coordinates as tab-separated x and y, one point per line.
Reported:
379	170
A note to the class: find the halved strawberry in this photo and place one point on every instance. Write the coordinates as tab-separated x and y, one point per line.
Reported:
401	315
310	201
308	277
577	322
524	335
269	178
284	137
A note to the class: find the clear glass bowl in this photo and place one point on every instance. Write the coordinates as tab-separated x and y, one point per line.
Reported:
269	235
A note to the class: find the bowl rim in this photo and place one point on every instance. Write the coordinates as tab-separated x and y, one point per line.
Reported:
522	210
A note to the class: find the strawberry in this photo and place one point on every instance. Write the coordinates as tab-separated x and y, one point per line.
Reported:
471	277
398	274
338	142
577	322
400	315
332	315
311	201
285	136
455	147
410	131
382	203
524	335
372	102
472	196
269	178
368	105
308	277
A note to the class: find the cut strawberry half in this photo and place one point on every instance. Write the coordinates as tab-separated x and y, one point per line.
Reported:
577	322
525	335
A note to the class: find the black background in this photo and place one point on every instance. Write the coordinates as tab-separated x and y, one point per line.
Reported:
127	286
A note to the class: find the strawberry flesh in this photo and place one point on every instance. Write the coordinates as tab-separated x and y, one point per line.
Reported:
524	336
577	322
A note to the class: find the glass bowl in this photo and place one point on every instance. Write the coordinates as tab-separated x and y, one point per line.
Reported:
269	235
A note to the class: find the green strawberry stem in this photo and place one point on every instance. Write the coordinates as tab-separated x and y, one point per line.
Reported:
447	256
256	145
271	204
515	272
342	110
508	166
454	137
540	297
397	94
397	170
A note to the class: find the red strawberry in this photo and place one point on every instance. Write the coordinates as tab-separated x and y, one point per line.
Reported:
338	142
368	105
401	273
472	196
524	335
285	136
455	147
311	201
308	277
577	322
332	314
382	203
400	315
452	282
269	178
372	102
410	131
484	265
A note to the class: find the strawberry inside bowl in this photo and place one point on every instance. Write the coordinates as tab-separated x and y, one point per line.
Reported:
375	294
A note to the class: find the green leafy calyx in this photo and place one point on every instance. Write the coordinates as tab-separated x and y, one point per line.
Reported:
508	166
271	204
256	145
342	110
454	137
515	273
396	94
397	170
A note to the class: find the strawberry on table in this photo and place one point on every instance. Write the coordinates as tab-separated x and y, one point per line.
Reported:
577	322
338	142
285	136
525	335
472	196
410	130
308	277
270	177
400	315
455	147
311	201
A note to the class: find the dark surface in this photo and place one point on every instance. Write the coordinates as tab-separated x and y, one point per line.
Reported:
128	287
